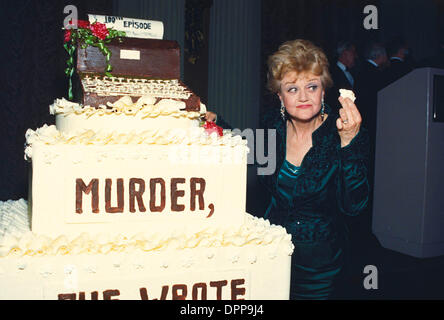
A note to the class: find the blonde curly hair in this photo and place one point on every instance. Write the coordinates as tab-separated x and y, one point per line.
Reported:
301	56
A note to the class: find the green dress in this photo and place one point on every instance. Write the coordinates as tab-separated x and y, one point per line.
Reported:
310	201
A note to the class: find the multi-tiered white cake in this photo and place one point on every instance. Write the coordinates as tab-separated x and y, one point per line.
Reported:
132	199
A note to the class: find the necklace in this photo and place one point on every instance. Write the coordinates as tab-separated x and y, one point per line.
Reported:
294	171
290	165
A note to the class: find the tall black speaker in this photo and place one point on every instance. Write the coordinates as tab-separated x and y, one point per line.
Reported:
408	203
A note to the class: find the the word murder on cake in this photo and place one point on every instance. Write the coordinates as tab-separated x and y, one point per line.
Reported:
135	197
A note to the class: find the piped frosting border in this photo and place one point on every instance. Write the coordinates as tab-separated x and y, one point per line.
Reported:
16	239
147	106
194	136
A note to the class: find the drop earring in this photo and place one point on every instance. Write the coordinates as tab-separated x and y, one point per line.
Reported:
283	111
322	109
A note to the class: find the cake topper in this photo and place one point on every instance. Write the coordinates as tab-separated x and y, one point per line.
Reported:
134	28
88	34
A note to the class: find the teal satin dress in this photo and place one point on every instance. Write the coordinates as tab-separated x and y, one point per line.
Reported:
316	266
311	201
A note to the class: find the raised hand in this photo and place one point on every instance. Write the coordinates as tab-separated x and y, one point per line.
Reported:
349	121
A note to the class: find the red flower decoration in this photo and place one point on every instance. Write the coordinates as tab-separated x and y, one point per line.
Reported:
211	127
99	30
67	35
83	24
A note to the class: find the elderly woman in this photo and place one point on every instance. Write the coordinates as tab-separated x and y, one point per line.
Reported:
321	162
321	167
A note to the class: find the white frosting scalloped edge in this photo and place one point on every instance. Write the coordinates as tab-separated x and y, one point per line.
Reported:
49	135
16	239
145	105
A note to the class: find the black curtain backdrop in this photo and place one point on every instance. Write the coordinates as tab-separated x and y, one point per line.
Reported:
32	76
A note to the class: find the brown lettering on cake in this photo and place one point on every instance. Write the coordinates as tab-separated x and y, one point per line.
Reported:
163	294
218	285
108	294
211	207
143	294
95	295
136	195
119	191
203	291
67	296
153	183
194	192
81	295
235	290
175	292
175	194
93	188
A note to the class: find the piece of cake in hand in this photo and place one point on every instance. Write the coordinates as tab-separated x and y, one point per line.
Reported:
347	94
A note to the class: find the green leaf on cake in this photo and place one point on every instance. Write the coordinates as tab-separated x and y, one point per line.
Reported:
96	35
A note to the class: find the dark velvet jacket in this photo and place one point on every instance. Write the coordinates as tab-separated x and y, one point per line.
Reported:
332	182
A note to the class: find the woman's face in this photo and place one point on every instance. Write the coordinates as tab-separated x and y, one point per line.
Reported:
302	95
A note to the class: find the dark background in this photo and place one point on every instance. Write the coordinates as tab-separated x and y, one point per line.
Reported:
32	76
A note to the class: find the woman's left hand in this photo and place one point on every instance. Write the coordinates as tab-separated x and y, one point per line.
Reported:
210	116
349	121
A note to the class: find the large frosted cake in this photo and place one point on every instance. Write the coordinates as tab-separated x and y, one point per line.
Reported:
130	198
